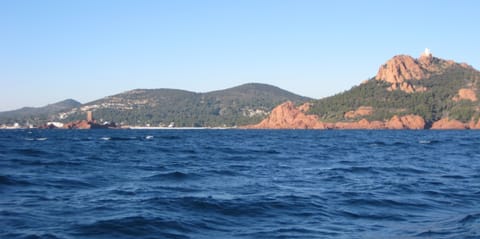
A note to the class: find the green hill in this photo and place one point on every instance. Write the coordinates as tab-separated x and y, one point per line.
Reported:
239	105
37	115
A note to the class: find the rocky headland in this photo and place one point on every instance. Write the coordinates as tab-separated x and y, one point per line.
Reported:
406	93
287	116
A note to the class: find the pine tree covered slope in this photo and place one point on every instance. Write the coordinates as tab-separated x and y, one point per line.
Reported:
36	115
239	105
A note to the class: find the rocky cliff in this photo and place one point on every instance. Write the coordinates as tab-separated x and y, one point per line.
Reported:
402	71
287	116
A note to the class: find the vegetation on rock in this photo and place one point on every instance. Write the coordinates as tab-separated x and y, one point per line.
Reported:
436	102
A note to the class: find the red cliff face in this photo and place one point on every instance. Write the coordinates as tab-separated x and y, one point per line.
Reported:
474	125
402	70
406	122
287	116
466	94
396	122
446	123
361	111
361	124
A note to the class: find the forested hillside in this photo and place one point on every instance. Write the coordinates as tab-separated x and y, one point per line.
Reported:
239	105
448	92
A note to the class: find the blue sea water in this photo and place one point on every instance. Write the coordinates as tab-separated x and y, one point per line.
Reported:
239	184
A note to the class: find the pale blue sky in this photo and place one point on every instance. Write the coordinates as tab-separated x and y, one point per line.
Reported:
85	50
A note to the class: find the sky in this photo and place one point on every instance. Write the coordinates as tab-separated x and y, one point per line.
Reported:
89	49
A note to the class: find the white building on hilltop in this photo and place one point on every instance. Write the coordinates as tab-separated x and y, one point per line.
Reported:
427	53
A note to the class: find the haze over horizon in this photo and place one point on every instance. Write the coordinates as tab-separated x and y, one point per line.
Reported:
85	50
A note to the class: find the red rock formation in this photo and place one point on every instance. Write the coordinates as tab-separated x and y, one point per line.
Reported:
413	122
446	123
394	123
402	69
406	87
474	125
361	111
466	94
406	122
362	124
305	107
287	116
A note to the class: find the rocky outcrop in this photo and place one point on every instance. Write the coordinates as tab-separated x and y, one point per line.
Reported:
361	111
305	107
465	94
287	116
406	87
401	70
361	124
396	122
474	125
447	123
405	122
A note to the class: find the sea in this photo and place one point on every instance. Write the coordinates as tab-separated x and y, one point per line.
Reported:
232	183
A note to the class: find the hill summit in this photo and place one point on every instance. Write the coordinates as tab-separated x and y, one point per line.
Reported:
402	71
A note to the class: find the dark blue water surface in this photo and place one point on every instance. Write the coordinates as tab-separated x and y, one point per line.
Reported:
239	184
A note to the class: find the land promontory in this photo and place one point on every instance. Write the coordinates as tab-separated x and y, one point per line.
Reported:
407	93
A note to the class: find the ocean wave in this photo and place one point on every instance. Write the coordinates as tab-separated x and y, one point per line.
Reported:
471	219
32	152
135	226
372	215
149	137
30	236
116	138
424	141
41	161
356	169
290	232
403	169
67	183
172	176
36	139
385	203
12	181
